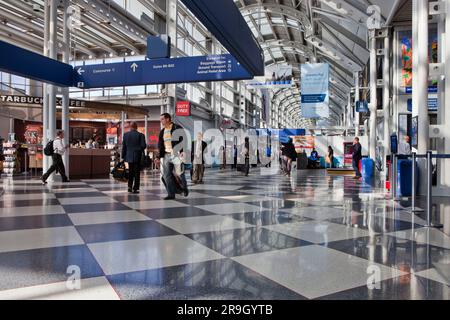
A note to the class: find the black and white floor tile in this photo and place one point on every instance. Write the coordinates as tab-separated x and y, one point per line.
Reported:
311	236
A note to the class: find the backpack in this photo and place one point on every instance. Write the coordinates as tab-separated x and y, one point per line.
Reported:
48	150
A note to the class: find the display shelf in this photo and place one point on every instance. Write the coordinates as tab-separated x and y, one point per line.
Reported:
115	157
10	156
36	156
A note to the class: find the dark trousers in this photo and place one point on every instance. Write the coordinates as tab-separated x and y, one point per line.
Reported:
246	168
57	165
173	183
134	175
355	164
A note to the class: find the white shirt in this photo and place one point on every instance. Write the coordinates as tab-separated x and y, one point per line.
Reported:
59	146
404	148
198	148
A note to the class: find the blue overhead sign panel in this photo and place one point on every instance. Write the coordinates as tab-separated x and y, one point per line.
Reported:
160	71
432	104
34	66
362	106
224	20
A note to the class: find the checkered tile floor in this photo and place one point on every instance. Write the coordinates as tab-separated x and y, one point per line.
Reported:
310	236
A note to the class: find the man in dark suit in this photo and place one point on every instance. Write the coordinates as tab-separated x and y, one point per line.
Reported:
356	157
132	151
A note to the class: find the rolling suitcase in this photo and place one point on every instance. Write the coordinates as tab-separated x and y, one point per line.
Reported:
120	172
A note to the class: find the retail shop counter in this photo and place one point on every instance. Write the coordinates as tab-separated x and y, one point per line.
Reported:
89	163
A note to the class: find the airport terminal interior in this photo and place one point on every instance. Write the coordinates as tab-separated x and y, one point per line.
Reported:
313	162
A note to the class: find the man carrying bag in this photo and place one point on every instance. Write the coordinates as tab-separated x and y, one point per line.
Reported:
56	149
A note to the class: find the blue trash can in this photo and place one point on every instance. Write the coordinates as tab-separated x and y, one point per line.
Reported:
404	178
367	167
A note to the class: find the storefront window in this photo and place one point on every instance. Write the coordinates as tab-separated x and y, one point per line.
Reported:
153	89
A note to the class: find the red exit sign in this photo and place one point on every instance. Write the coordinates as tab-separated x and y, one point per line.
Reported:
183	108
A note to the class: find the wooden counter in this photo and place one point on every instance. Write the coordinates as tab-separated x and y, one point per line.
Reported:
89	163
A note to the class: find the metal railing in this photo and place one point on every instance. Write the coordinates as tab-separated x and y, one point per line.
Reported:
429	194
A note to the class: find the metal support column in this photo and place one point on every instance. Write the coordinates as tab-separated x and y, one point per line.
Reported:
122	126
51	94
146	129
53	55
348	115
11	125
430	193
445	181
420	72
172	31
373	96
394	178
356	78
414	184
386	99
65	99
46	160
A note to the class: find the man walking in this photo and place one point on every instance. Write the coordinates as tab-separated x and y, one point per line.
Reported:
59	148
132	150
356	157
197	158
171	161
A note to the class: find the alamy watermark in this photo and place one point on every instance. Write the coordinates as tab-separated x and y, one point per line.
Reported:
73	17
232	146
374	278
374	20
74	280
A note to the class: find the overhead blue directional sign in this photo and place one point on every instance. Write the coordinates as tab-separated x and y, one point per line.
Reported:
160	71
34	66
224	20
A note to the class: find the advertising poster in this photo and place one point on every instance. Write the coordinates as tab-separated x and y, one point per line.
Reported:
33	133
303	142
314	90
406	55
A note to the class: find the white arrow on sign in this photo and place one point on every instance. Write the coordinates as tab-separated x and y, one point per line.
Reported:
80	71
134	66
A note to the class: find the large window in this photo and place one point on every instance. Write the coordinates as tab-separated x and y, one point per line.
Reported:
136	8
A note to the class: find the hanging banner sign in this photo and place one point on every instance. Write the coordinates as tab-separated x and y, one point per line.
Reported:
314	90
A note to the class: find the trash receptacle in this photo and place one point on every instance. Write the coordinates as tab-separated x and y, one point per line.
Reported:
404	178
367	167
